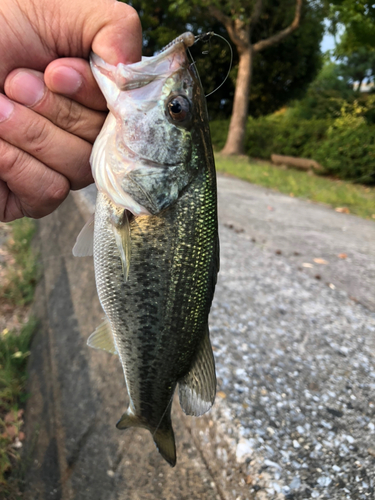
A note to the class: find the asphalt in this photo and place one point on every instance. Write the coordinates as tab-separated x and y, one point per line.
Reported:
294	343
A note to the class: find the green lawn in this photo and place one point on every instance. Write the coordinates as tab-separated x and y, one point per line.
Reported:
360	200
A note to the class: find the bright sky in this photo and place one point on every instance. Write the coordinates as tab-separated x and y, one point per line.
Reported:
328	43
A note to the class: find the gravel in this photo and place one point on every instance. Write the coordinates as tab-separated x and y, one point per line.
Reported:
295	411
295	363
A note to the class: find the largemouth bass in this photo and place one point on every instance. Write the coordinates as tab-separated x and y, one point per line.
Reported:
155	242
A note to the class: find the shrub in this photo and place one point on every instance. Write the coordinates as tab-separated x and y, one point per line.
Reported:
285	136
349	153
345	147
219	132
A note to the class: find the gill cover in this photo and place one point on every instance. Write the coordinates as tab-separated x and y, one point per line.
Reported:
141	159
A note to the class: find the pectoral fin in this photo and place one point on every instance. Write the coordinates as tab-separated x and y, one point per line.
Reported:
102	338
198	388
85	240
123	241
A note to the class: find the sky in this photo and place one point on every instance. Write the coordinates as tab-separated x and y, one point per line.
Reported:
328	42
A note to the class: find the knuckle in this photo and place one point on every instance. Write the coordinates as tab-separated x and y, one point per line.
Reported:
56	193
69	116
132	14
10	157
38	136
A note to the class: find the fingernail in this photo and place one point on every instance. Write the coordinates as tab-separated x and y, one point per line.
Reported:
27	87
66	80
6	108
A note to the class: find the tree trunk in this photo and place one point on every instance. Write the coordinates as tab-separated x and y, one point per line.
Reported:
237	128
239	32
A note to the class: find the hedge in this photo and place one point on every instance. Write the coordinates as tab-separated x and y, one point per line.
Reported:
346	150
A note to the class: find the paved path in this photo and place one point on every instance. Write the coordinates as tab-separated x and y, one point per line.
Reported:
303	231
294	416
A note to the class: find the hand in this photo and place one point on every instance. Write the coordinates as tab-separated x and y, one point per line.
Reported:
45	147
34	33
39	160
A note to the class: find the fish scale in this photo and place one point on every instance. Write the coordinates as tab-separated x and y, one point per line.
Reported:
155	241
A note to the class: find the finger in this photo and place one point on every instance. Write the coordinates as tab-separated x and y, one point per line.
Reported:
63	152
27	87
73	77
10	208
118	33
27	187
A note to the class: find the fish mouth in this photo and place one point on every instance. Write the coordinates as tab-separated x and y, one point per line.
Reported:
137	75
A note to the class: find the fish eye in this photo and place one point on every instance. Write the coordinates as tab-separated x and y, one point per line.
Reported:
179	108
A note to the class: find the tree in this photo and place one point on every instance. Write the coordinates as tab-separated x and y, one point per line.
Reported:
282	71
358	18
240	21
358	66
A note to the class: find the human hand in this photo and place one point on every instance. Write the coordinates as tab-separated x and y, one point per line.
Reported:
45	147
34	33
39	161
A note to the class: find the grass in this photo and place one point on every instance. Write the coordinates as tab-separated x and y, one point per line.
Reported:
359	200
18	280
14	351
21	275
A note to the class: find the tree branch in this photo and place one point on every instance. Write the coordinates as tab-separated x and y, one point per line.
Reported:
272	40
256	13
237	30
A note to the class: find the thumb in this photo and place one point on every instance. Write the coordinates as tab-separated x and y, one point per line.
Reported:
119	35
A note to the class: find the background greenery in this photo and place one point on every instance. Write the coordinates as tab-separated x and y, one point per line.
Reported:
302	102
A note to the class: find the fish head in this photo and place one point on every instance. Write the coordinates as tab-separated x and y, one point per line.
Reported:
142	158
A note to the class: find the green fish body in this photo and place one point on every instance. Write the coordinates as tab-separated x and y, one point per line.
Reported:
155	243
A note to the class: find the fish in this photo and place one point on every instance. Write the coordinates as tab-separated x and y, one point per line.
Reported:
154	237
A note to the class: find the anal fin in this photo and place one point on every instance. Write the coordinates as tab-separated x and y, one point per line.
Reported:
102	338
197	389
163	435
165	443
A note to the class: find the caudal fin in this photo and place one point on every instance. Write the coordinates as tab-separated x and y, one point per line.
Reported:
163	436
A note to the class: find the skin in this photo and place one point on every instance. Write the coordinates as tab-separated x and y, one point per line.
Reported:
46	138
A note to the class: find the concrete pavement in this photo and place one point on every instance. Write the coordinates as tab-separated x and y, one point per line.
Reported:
294	416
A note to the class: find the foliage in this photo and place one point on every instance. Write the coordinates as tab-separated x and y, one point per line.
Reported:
344	146
357	65
14	351
349	151
16	290
359	200
279	134
358	18
324	97
329	94
21	275
280	73
276	134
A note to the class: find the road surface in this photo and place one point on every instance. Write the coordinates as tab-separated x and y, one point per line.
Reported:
294	342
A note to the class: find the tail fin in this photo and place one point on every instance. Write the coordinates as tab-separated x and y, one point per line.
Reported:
163	435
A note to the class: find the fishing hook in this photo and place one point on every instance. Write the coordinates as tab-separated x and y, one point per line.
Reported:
206	38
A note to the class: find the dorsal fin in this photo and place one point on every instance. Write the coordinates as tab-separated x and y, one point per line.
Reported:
197	389
102	338
85	240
